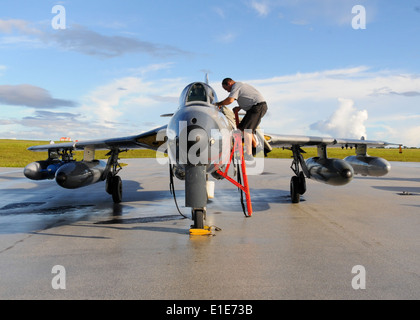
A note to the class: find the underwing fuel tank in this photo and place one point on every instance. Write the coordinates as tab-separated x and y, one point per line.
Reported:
42	170
369	166
78	174
335	172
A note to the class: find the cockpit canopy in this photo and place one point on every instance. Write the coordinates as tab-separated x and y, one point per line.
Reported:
197	93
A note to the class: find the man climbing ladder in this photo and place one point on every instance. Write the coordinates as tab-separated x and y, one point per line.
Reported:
250	100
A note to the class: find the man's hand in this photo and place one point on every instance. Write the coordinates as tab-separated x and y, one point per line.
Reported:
236	109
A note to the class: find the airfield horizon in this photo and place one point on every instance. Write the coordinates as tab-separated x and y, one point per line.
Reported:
14	153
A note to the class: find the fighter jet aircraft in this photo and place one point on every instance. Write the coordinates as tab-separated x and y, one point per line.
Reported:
199	141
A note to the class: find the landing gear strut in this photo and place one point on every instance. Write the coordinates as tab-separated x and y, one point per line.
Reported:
298	182
113	182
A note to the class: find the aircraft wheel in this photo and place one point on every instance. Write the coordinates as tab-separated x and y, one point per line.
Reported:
294	189
198	216
302	183
108	186
116	187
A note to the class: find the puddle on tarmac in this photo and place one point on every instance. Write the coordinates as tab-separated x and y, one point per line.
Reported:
20	205
141	220
32	208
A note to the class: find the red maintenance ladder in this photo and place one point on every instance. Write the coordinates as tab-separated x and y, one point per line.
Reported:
238	153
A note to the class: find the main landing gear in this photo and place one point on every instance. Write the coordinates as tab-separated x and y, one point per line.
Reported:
298	182
113	182
114	187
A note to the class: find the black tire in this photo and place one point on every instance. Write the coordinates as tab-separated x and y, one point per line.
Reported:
116	185
198	216
108	185
294	189
302	183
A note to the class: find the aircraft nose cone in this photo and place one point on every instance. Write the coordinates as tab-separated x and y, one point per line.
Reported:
61	178
380	167
31	171
346	173
196	134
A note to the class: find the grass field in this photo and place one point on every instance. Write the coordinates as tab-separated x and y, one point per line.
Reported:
14	153
407	155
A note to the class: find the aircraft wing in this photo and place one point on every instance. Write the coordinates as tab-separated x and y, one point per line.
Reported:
279	141
152	139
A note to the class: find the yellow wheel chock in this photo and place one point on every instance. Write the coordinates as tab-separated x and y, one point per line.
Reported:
206	231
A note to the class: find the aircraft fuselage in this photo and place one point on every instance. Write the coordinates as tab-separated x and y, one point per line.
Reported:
198	133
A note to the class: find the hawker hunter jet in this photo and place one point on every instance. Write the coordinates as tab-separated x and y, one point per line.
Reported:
202	141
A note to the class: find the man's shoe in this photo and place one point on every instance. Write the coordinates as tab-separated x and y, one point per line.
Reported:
248	157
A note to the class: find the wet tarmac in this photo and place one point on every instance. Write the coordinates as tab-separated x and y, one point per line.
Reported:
141	248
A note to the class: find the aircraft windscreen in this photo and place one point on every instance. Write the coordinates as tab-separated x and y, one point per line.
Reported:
198	92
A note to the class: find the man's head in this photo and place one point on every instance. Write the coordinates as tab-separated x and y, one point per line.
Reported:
227	84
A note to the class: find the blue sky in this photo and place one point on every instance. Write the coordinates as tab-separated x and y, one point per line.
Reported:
118	65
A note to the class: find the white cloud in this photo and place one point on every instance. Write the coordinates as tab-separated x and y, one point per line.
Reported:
83	40
30	96
152	68
330	12
226	37
220	12
338	101
410	136
262	8
132	100
298	100
9	26
105	102
300	22
354	83
346	121
133	104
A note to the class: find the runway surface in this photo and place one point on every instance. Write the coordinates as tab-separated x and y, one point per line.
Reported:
141	249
